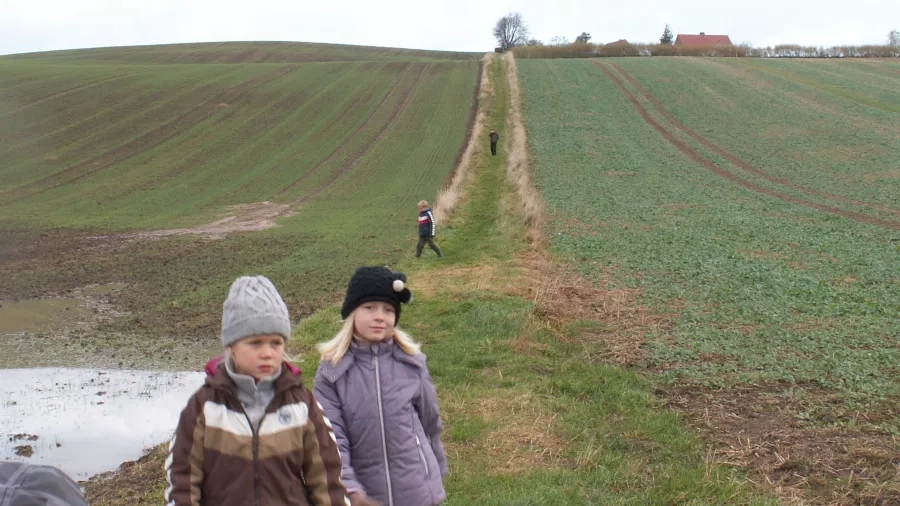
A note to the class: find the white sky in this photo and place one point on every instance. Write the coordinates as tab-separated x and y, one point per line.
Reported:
462	25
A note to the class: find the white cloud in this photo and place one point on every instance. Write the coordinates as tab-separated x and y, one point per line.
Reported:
38	25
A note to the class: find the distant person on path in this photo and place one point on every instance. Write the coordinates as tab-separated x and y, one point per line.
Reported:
24	484
494	138
426	229
374	385
254	434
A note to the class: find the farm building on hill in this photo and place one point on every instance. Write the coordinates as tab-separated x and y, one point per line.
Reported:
702	40
620	42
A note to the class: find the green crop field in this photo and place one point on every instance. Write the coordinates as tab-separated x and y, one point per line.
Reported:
97	153
242	52
756	204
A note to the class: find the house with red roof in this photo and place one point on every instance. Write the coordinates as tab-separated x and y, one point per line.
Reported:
702	40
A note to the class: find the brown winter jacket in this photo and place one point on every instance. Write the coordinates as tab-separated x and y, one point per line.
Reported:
217	459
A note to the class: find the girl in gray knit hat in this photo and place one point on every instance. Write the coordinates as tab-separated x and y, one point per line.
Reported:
253	433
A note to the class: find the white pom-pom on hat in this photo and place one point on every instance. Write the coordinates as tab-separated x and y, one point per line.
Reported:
398	285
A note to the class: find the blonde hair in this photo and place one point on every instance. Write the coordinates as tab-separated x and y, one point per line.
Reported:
335	349
423	203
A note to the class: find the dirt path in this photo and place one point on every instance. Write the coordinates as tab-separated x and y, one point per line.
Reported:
734	159
698	157
247	218
446	200
518	167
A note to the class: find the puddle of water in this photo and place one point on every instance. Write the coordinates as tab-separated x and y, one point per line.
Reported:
52	314
88	421
41	315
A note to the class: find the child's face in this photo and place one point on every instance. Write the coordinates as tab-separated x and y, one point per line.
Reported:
422	208
258	356
374	321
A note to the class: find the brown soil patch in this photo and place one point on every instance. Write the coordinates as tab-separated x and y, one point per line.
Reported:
24	451
698	158
51	157
738	162
247	218
758	429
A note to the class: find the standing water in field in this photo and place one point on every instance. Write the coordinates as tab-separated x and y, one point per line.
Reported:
88	421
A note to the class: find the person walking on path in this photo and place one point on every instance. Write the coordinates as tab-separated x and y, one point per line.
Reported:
426	230
374	386
494	138
254	433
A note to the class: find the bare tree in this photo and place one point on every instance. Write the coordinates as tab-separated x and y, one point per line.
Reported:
894	38
559	40
510	31
583	38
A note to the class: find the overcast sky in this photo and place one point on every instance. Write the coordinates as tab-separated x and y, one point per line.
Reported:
463	25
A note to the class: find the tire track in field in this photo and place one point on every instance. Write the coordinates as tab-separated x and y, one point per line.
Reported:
335	175
67	91
361	99
697	157
362	151
146	141
883	66
830	89
286	102
735	159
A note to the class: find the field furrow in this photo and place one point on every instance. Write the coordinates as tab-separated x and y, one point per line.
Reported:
738	162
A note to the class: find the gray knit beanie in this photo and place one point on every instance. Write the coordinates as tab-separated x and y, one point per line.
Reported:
253	308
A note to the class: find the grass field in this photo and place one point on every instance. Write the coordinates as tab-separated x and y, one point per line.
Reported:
723	234
98	154
243	52
756	203
529	419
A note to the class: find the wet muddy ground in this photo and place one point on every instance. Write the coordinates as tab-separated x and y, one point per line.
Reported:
87	421
82	399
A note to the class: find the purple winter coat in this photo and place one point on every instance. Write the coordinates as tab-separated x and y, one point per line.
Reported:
392	449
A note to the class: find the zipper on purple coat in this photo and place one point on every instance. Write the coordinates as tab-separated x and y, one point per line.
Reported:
387	469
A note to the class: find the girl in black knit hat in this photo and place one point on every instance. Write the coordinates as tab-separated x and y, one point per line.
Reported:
374	386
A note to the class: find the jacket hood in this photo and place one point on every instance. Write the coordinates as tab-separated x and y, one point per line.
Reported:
332	372
217	376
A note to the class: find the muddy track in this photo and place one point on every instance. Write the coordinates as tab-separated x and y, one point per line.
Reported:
733	158
407	94
340	147
697	157
147	140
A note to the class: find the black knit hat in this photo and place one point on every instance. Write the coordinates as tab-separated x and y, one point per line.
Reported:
376	284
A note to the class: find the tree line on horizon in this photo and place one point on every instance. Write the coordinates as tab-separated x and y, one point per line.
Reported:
513	34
